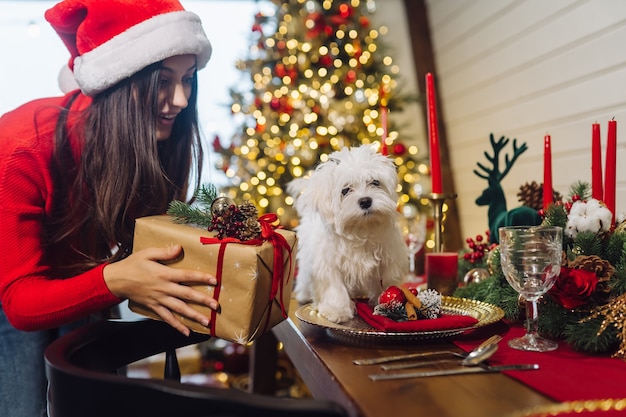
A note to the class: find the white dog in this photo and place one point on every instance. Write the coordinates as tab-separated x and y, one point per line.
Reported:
349	242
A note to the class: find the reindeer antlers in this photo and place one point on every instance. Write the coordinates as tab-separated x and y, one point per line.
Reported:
493	175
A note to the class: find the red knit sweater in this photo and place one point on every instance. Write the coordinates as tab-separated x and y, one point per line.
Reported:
30	295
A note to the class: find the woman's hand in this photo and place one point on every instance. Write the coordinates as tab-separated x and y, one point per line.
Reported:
141	278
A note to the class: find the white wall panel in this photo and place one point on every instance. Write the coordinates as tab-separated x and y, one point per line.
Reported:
521	69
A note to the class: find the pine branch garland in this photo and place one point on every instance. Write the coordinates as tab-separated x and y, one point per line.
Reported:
598	326
581	189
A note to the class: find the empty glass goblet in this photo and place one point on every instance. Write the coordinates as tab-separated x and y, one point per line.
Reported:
413	226
531	262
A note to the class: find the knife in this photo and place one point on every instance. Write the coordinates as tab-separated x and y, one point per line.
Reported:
458	371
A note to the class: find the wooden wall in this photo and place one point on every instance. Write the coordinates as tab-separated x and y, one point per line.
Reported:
524	69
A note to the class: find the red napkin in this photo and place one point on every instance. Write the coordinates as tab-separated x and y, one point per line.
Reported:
444	322
564	374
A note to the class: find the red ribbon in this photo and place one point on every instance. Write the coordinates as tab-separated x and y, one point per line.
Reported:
279	243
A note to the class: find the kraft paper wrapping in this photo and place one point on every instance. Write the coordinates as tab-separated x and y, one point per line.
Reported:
247	274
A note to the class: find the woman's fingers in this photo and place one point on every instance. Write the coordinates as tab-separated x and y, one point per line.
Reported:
167	316
145	278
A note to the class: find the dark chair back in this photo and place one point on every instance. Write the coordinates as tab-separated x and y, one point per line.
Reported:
83	369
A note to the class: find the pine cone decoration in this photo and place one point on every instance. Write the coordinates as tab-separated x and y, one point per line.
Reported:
531	195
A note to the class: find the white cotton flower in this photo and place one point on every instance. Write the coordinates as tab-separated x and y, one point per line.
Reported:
588	216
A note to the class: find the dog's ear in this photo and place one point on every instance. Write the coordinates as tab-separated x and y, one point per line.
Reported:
317	194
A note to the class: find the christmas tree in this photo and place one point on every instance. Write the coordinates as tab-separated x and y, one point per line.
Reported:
316	79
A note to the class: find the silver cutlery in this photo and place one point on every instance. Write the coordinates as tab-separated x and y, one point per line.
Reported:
373	361
456	371
475	357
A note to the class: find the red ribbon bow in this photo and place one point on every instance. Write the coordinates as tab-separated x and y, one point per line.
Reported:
279	243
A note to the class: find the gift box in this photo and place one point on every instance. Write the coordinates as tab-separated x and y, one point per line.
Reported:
255	278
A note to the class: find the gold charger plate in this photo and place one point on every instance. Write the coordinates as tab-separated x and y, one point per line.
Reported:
358	329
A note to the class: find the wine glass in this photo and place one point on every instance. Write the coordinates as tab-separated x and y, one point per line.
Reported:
531	262
413	226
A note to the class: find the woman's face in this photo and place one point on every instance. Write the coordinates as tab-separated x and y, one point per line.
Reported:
176	84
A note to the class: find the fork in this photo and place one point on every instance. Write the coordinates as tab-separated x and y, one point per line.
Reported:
372	361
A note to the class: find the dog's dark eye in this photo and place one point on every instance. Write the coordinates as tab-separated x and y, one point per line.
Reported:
345	191
375	183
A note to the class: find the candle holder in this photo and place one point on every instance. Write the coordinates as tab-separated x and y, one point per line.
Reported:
437	201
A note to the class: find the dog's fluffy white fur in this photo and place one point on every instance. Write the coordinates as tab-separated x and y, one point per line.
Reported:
349	242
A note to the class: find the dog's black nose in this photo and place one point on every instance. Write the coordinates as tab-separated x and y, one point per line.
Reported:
365	202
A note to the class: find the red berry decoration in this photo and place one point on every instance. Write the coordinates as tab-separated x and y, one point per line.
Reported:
391	295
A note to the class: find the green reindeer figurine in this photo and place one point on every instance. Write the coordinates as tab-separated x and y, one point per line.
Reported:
493	196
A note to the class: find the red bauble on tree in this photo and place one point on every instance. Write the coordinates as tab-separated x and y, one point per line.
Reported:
399	149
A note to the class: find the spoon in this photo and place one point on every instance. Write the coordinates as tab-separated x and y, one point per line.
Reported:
473	358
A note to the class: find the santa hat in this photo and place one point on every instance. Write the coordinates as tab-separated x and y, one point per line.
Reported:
110	40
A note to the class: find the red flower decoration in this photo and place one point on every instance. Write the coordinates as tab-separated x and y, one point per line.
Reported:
573	287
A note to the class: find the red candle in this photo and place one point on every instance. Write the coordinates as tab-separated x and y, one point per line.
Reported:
610	167
383	121
596	163
433	136
441	270
547	172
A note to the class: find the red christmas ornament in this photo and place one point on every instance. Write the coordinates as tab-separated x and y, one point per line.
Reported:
326	61
280	70
391	295
364	21
275	103
319	25
350	76
345	10
399	149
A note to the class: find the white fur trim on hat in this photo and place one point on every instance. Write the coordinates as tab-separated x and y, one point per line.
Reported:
152	40
66	80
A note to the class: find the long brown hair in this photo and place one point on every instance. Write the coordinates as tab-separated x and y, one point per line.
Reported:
123	172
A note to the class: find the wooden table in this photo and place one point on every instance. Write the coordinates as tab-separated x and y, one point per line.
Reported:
325	365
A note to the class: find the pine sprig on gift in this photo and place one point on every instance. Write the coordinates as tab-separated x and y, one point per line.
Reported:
206	194
184	213
198	213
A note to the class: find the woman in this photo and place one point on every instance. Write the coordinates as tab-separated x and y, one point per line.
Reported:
75	172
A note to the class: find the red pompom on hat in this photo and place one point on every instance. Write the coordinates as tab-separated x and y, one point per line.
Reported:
110	40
